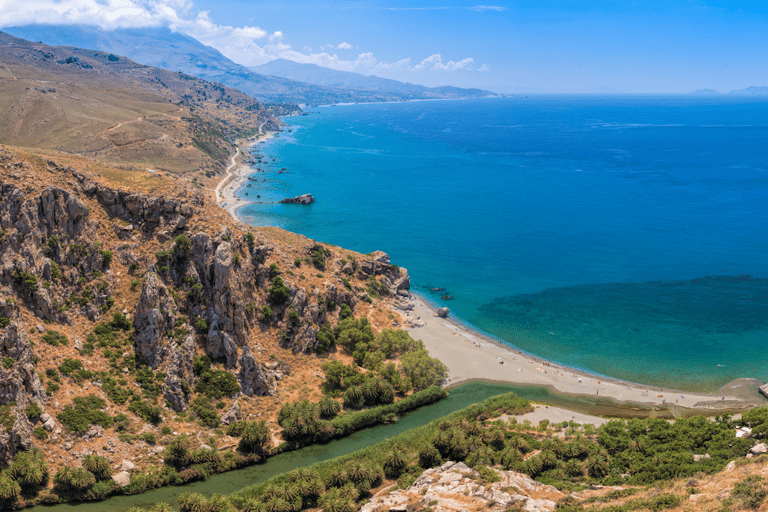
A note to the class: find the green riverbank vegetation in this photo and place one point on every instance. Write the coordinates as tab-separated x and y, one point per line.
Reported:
646	454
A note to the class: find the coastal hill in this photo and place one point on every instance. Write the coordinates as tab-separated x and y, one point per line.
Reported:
135	312
319	75
107	106
178	52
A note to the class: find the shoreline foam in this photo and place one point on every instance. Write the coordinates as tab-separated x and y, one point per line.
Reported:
470	355
236	175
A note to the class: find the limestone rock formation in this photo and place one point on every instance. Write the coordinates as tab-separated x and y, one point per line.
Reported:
454	487
255	378
302	199
154	316
442	312
232	414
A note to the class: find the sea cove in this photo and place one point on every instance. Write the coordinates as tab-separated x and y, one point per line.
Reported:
575	228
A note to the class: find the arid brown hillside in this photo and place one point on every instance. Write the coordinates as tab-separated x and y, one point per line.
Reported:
111	108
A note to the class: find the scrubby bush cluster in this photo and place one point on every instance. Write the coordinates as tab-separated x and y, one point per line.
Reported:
416	369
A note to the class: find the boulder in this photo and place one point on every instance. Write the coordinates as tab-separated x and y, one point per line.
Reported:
442	312
126	465
759	449
255	378
233	414
122	478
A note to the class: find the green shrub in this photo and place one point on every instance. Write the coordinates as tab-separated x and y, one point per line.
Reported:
183	244
266	315
205	411
273	271
249	240
202	325
83	412
54	338
33	410
751	492
40	433
8	362
326	339
106	257
216	384
55	270
133	268
278	292
165	431
25	281
146	411
70	366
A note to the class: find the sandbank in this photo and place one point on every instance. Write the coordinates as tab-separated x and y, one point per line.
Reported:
470	355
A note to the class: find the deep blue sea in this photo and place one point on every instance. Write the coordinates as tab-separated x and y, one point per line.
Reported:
626	236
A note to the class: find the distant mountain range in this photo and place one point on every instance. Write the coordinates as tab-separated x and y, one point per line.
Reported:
749	91
162	48
318	75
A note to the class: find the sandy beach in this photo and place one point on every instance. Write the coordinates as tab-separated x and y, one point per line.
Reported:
471	356
236	174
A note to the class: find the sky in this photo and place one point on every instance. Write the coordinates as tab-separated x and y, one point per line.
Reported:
558	46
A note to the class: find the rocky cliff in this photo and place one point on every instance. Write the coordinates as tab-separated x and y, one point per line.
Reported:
114	291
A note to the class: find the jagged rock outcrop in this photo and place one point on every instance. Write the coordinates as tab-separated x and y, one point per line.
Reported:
254	377
442	312
179	374
454	487
155	313
232	414
19	386
147	212
302	199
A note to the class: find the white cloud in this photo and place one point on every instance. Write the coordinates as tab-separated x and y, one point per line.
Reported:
484	67
482	8
247	45
340	46
435	63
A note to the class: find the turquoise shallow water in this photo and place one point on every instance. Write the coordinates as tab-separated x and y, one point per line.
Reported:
606	233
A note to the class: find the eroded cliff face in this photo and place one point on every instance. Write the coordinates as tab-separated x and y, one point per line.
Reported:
177	279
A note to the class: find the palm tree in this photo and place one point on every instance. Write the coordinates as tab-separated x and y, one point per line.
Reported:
220	503
429	457
9	489
97	465
548	459
82	479
338	478
30	470
358	472
510	458
329	407
519	444
192	502
597	466
394	462
285	490
253	506
574	468
494	437
162	507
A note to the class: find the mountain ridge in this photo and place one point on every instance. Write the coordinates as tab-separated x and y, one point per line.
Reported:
163	48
